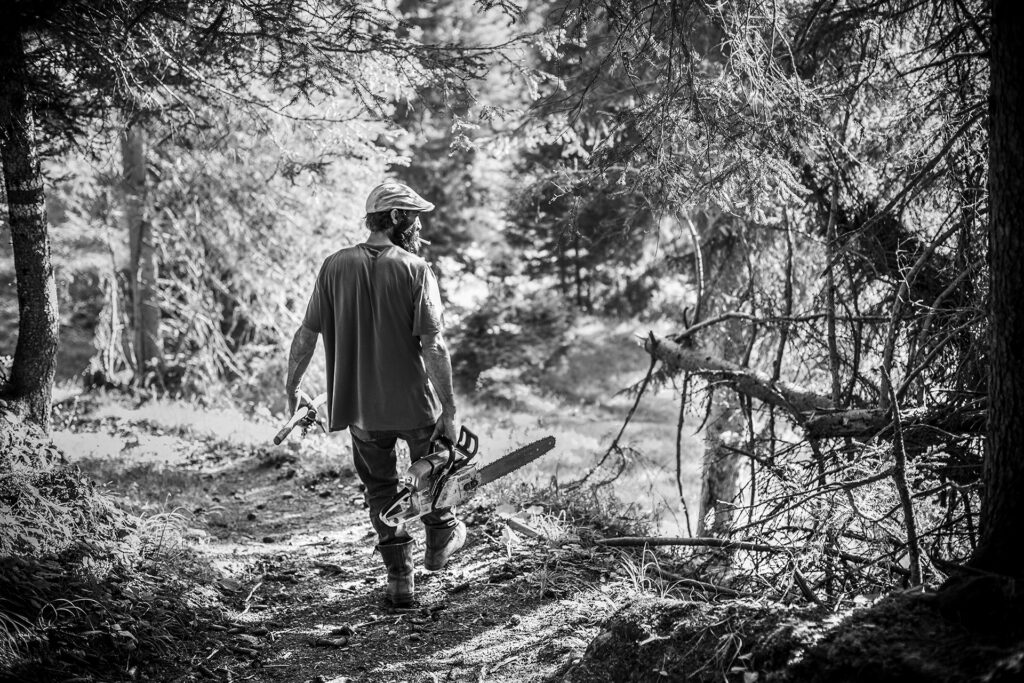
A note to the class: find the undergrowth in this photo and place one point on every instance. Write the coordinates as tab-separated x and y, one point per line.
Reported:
84	585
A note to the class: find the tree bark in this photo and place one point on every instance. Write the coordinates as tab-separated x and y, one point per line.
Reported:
1002	507
143	267
31	385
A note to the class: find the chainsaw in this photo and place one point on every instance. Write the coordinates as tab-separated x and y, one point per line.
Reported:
449	476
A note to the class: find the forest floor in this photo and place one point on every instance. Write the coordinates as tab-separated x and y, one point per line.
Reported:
257	564
282	545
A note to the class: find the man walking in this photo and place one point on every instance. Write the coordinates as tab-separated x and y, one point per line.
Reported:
389	375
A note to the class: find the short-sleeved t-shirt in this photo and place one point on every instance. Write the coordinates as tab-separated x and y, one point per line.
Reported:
372	304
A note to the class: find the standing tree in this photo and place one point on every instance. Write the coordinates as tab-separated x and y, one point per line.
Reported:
1002	510
31	380
142	265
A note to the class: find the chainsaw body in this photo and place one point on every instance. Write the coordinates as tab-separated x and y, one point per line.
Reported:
443	479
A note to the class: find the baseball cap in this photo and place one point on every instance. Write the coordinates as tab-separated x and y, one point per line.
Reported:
391	195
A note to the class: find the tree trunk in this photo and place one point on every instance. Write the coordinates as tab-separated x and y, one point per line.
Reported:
143	265
1002	508
31	384
724	437
725	432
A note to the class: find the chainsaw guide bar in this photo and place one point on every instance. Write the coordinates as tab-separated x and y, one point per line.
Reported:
507	464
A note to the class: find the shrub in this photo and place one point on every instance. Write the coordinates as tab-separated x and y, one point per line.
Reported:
47	504
85	586
508	341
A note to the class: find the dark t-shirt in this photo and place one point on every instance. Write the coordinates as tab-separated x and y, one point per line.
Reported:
372	304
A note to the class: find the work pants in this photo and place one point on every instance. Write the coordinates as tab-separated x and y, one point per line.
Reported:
376	464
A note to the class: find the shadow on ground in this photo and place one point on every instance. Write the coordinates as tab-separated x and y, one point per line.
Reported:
290	551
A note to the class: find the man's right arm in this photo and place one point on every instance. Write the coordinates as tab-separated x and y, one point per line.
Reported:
438	364
303	346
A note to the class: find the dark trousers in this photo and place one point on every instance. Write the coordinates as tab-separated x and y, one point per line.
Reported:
376	464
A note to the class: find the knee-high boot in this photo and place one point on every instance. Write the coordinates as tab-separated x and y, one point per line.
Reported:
398	559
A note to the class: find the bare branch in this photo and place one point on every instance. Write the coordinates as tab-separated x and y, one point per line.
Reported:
749	381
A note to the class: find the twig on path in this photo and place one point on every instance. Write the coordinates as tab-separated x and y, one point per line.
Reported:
523	528
249	597
371	622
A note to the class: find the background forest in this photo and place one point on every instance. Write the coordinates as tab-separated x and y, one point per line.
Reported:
736	255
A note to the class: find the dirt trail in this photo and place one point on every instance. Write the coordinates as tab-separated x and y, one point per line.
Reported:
309	591
291	549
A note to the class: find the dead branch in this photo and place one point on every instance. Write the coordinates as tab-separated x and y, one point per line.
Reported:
615	447
637	541
807	408
899	476
830	292
868	422
700	585
679	453
703	542
746	381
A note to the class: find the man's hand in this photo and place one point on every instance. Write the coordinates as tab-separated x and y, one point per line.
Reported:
446	427
298	399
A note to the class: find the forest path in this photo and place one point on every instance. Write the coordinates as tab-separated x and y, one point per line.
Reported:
291	552
309	594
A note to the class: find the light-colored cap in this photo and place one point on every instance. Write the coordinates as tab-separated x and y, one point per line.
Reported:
387	196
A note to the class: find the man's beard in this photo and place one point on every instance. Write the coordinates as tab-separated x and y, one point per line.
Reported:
407	237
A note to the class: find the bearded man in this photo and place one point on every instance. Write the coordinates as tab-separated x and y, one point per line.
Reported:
389	376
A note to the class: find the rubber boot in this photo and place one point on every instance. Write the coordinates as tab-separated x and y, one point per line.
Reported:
398	559
441	543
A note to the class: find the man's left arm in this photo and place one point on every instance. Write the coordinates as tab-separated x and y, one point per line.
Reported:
303	346
438	365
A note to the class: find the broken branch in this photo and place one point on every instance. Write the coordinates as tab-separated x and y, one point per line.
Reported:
746	381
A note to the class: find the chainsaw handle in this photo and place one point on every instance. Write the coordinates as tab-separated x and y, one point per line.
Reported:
452	457
467	442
